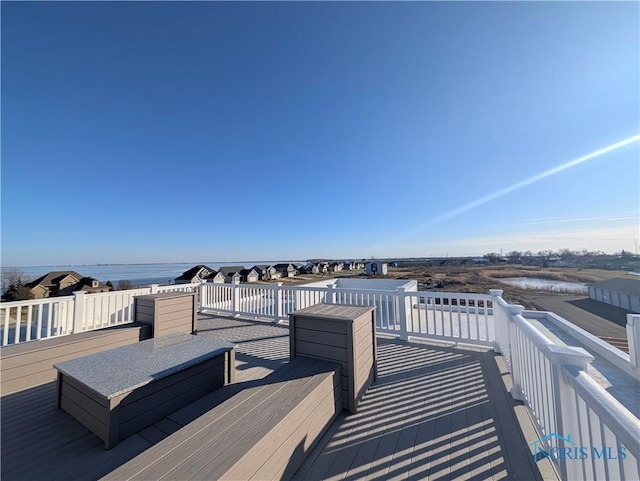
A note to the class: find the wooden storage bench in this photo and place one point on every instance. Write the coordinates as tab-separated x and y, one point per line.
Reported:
261	432
121	391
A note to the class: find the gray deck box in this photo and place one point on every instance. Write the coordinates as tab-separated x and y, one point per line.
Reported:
341	333
168	312
119	392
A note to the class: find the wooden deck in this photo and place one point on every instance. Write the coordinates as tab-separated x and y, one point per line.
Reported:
435	413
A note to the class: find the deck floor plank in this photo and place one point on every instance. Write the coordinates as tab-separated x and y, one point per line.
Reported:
434	413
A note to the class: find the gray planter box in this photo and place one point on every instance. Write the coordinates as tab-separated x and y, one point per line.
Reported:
341	333
168	312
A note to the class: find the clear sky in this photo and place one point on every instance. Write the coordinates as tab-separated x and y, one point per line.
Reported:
171	132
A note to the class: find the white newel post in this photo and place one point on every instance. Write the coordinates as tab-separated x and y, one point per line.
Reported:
235	297
566	415
154	288
203	295
277	302
498	318
402	313
516	391
331	295
633	337
79	308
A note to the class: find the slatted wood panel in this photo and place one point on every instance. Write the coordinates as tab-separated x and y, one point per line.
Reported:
27	365
342	334
258	433
168	312
433	413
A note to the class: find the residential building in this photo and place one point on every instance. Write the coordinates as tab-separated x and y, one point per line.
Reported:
231	273
199	273
266	272
248	275
64	283
286	270
624	293
375	268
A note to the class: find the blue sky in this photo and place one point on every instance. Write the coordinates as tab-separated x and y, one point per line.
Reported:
171	132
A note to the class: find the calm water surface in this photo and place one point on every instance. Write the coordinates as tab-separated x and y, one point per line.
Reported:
138	274
546	284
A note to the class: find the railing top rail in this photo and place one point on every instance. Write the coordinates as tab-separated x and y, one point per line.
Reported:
33	302
179	286
452	295
577	331
552	350
139	290
618	418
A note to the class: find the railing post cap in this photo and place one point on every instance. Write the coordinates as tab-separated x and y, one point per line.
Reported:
496	292
632	319
400	289
278	283
570	355
515	309
79	293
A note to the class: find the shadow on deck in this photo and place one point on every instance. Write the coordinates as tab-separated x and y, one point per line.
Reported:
436	413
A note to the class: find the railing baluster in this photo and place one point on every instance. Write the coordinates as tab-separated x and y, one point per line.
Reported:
29	314
39	321
18	321
5	331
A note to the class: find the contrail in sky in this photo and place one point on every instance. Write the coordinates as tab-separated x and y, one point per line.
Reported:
535	178
524	183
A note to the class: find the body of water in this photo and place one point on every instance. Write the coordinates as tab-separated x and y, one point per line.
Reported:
546	284
138	274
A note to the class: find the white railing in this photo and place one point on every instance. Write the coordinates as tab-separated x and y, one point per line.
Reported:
599	422
585	431
446	316
449	316
24	321
627	363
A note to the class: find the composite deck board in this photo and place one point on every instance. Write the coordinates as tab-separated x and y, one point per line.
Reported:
428	405
434	413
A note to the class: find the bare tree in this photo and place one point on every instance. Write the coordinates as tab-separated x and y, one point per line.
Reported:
492	257
124	285
12	276
14	286
514	257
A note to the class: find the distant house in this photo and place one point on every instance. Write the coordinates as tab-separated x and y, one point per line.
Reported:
248	275
64	283
199	273
231	273
624	293
375	268
266	272
286	270
335	267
